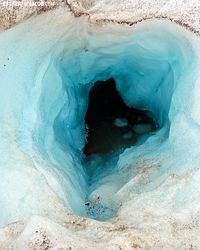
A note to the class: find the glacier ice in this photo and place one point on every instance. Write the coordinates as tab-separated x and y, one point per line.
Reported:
46	76
120	122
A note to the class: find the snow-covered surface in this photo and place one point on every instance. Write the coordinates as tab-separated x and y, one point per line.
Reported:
185	12
155	185
182	11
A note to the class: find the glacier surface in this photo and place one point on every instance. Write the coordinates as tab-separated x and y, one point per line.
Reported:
46	75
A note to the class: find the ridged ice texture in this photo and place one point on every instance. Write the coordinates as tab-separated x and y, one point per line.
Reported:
45	87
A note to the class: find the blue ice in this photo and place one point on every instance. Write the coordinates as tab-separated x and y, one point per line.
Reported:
44	98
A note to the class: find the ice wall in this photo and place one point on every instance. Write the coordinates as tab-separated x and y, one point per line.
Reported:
45	86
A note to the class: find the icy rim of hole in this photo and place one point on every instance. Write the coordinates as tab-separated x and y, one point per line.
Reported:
152	66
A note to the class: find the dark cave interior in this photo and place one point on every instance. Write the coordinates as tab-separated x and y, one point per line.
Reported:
110	124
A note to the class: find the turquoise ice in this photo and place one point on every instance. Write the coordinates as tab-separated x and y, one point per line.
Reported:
47	72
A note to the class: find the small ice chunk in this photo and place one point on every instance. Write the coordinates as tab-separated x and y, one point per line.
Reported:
120	122
128	135
142	128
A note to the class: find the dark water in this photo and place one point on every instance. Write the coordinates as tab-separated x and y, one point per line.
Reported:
110	122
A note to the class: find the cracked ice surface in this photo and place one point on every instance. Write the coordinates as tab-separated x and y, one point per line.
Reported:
45	79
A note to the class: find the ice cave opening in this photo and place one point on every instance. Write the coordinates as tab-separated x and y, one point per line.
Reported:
133	80
104	106
99	121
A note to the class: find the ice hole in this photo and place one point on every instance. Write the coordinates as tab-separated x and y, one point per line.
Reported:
96	107
110	124
55	88
100	104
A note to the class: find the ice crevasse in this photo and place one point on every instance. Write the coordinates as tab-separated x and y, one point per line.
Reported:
48	66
